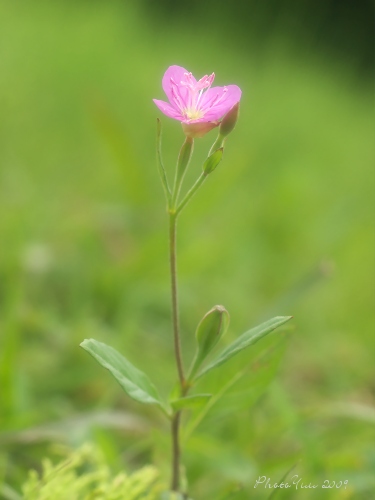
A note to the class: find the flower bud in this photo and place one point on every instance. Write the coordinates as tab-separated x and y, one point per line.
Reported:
213	161
229	121
183	161
209	331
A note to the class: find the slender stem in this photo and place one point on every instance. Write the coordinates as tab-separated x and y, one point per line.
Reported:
175	429
182	164
219	143
176	452
175	318
192	192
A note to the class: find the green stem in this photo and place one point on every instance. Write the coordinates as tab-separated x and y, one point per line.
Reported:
191	192
176	452
175	426
175	315
182	164
219	143
176	445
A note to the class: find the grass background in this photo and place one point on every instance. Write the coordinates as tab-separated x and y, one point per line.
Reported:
282	227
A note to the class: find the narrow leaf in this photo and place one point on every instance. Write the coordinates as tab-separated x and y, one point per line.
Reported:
190	401
248	338
134	382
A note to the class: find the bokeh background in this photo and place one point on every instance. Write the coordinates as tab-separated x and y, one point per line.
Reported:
282	227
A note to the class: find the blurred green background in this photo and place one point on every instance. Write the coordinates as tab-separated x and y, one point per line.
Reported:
282	227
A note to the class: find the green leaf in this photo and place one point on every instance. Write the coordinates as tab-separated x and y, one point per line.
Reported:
134	382
262	369
190	401
245	340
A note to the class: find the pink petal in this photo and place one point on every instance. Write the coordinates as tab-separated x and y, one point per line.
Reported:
168	110
217	101
177	74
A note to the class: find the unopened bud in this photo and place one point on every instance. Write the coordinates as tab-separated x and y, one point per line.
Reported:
209	331
229	121
213	161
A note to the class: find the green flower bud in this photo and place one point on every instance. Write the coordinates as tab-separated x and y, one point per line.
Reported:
229	121
209	331
213	161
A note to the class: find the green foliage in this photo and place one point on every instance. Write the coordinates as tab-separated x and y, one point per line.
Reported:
245	340
84	475
134	382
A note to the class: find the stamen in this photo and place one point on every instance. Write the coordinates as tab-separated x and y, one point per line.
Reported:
190	104
189	81
210	79
199	98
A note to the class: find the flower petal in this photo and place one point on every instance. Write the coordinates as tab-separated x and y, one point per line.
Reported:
168	110
176	74
217	101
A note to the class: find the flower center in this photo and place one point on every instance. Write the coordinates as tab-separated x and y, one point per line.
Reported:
192	109
190	102
192	113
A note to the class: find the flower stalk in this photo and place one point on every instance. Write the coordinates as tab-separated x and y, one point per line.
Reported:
174	296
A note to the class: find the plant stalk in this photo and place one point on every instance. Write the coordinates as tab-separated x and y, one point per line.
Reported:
176	452
192	192
175	429
182	164
175	316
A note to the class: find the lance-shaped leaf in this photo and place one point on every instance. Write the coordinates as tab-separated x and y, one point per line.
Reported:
190	401
134	382
245	340
211	328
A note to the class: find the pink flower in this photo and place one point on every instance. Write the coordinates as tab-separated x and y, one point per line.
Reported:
196	104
